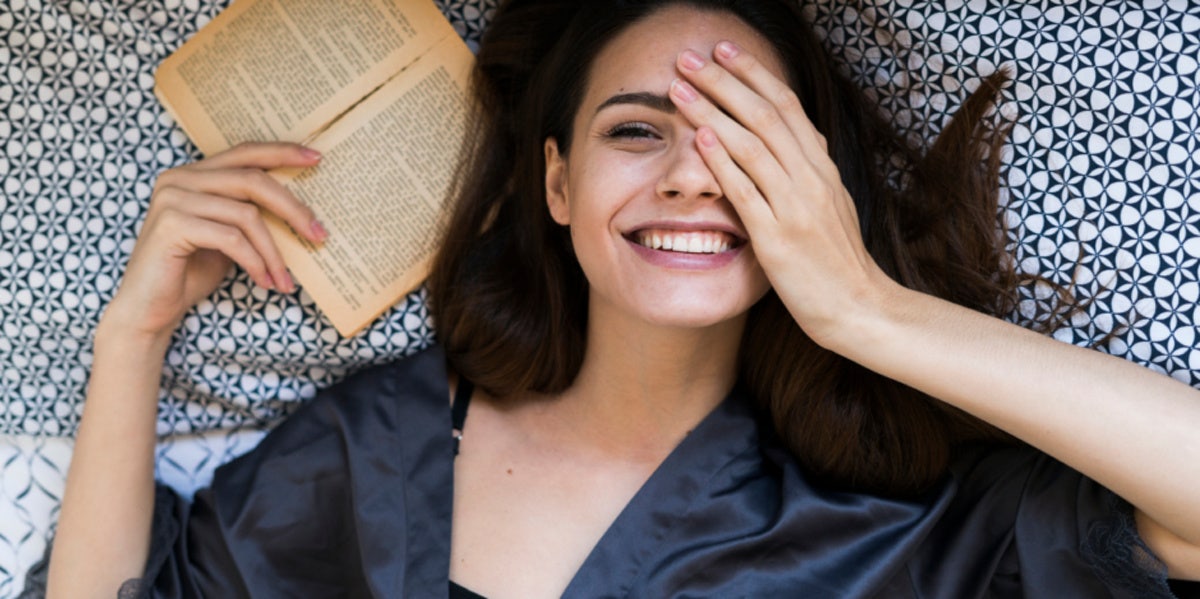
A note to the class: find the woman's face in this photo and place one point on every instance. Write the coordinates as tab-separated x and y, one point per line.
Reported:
652	230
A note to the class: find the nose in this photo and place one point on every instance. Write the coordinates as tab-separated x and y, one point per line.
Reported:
687	176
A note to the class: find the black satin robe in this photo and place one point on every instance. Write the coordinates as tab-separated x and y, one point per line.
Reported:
351	497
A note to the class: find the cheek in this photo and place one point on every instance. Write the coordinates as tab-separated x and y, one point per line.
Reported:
591	200
762	285
590	241
757	285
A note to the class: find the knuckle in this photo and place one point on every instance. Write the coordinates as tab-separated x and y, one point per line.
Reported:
260	176
787	100
753	149
165	192
704	112
746	190
246	212
263	180
713	76
246	146
250	179
232	238
764	116
172	201
169	217
166	179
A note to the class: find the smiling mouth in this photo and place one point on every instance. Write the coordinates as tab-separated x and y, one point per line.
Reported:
686	242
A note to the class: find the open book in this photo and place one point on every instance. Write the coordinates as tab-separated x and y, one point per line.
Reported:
380	88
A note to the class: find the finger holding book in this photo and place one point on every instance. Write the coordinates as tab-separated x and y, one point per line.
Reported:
202	217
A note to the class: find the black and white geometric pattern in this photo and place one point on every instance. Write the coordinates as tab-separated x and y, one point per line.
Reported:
1103	173
1104	159
84	138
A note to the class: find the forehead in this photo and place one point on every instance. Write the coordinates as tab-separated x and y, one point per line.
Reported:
642	58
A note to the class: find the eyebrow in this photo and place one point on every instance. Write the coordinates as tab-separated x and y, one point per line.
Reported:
655	101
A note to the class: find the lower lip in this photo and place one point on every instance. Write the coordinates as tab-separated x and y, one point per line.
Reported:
685	261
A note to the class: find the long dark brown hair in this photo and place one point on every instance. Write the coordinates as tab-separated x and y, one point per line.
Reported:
510	300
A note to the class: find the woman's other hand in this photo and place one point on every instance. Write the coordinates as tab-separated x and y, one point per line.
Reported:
202	217
1124	426
774	167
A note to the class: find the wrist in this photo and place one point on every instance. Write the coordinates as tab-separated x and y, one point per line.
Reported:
121	330
869	316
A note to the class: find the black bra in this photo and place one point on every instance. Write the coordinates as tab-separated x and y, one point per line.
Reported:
457	592
458	411
458	418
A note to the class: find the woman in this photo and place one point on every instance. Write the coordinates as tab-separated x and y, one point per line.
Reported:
685	203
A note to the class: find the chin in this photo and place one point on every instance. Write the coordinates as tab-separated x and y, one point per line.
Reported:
694	314
675	303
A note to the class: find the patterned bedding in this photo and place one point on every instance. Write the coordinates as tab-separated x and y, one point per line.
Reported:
1103	169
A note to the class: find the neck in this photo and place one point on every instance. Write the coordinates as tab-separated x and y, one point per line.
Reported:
642	388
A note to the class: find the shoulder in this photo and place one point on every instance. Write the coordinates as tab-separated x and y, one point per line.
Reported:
339	469
287	517
752	522
418	375
376	397
367	414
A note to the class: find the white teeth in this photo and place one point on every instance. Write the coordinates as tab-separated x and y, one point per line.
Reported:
692	242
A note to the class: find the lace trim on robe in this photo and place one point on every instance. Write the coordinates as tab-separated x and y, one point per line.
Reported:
1121	559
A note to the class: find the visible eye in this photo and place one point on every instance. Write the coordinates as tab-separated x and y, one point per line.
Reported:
631	131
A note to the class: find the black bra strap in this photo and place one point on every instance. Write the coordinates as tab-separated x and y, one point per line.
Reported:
458	411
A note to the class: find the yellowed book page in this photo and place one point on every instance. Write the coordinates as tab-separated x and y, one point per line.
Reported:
381	190
267	70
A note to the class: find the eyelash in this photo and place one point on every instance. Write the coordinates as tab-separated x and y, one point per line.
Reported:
631	131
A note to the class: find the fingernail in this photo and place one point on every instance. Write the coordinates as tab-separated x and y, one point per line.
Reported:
269	283
690	60
310	153
728	49
318	230
706	137
683	91
288	285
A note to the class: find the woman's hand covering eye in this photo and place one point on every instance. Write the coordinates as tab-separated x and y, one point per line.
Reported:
774	167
